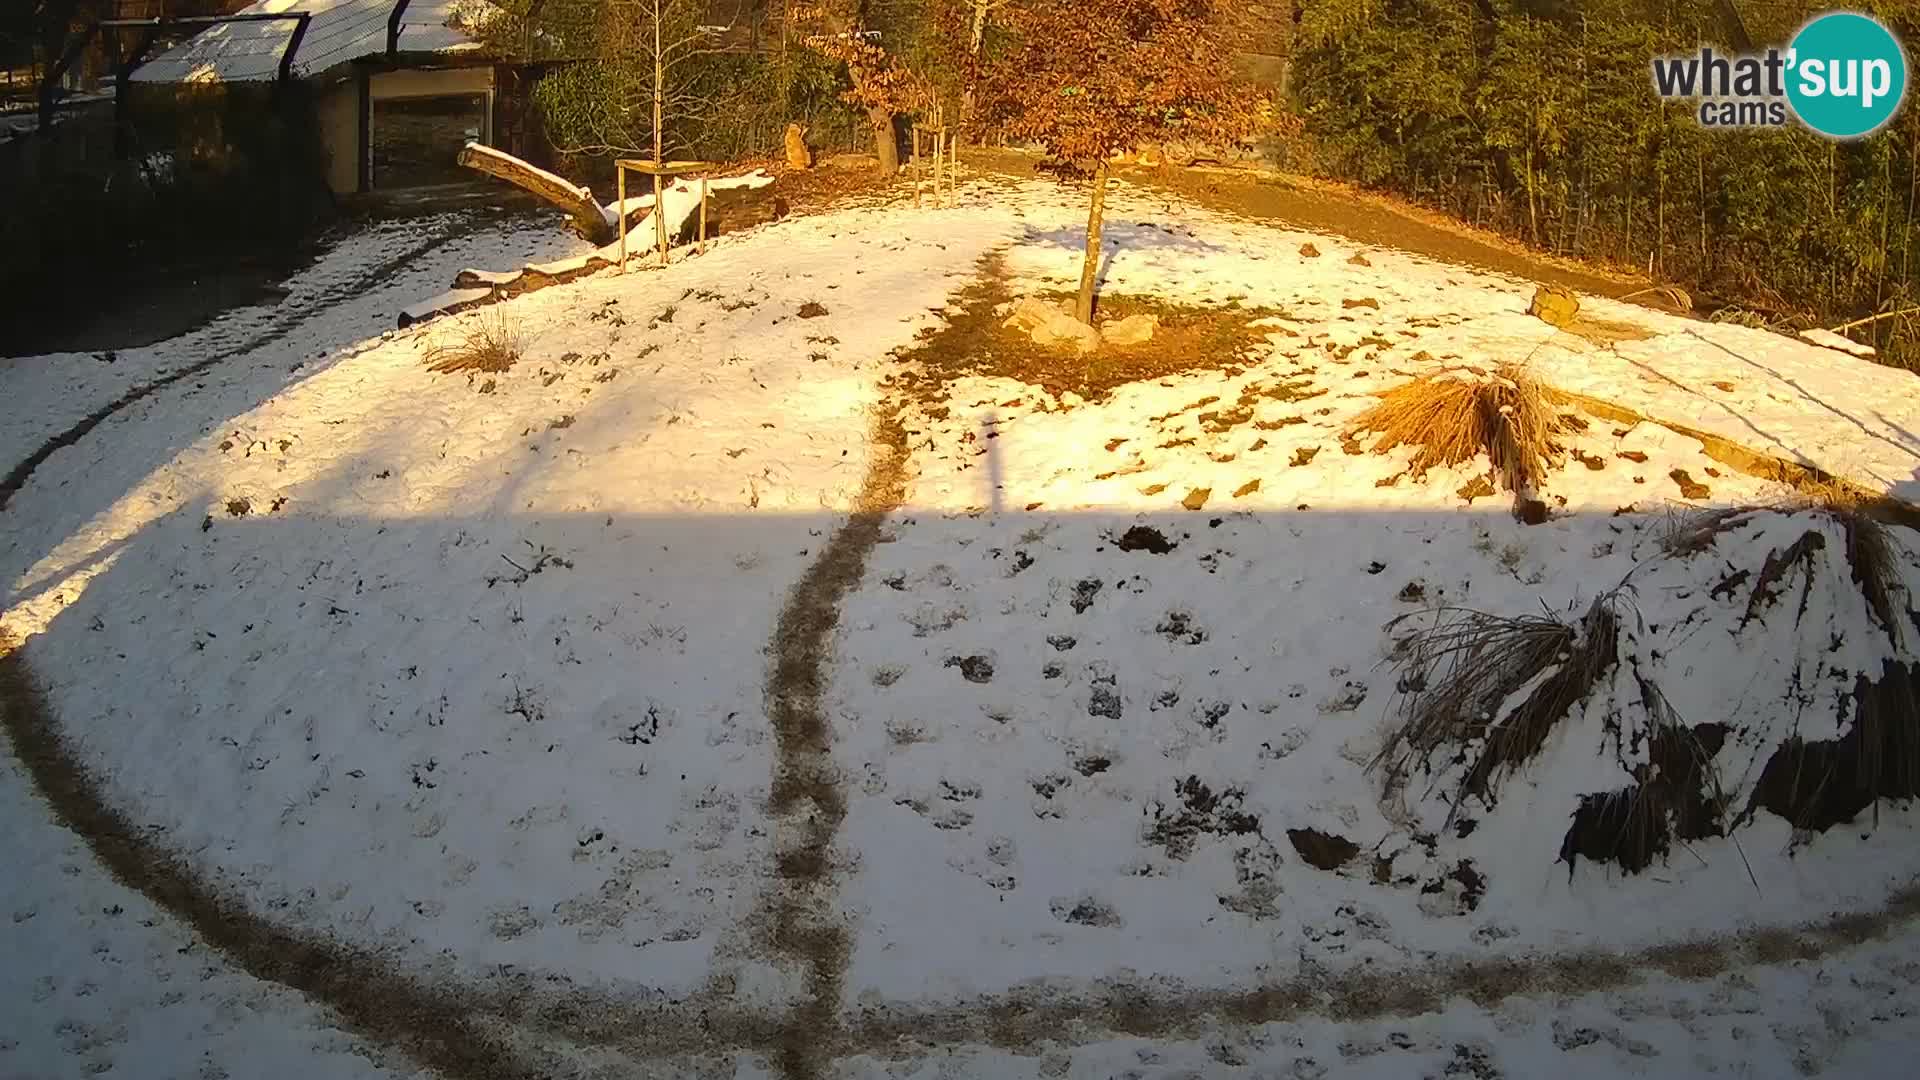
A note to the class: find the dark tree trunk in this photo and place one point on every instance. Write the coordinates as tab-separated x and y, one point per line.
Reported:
886	145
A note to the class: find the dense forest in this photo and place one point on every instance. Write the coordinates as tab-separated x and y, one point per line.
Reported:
1538	118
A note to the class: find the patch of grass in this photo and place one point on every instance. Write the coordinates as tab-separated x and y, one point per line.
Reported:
1461	679
493	344
1451	416
1190	338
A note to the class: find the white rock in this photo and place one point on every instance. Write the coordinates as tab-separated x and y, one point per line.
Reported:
1052	325
1132	330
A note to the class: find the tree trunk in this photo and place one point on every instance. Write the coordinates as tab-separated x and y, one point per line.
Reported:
578	202
1090	268
1533	212
973	63
659	84
885	145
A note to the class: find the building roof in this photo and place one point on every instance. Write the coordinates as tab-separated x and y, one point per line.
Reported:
340	31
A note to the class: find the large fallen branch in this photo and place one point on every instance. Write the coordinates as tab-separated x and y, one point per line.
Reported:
589	220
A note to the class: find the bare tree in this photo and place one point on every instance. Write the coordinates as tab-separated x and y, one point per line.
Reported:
629	89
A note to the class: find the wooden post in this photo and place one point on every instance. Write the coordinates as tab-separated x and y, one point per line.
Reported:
700	247
620	171
659	219
916	166
937	201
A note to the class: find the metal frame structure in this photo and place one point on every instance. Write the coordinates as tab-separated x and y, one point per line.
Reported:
657	170
153	26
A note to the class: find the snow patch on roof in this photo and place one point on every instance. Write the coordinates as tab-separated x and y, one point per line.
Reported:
340	31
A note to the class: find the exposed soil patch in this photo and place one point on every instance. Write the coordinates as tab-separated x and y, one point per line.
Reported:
1689	488
1195	812
793	192
974	669
1083	593
1085	911
1190	338
1323	851
1145	538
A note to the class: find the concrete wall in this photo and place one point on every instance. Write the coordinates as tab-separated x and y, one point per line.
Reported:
418	83
338	109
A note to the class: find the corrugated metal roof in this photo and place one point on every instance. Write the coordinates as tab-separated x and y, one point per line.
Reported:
340	31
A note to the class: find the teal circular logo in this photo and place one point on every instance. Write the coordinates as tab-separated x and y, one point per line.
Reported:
1846	74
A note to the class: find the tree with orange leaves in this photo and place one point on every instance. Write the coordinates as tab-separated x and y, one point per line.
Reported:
881	83
1089	79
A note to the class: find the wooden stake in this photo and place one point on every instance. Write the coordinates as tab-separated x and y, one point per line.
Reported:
916	166
936	168
701	247
659	219
622	173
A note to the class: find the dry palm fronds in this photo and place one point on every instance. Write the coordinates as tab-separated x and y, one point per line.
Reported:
1457	413
1874	553
1628	827
1464	674
1695	532
1816	785
492	345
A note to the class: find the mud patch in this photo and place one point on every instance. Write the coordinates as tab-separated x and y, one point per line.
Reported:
1197	811
1322	851
1085	911
974	669
1689	487
1145	538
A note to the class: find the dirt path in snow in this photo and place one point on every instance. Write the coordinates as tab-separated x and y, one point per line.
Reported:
806	928
283	323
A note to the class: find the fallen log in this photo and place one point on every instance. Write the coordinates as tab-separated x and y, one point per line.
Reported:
589	220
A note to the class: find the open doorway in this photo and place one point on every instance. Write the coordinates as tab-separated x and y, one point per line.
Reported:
414	141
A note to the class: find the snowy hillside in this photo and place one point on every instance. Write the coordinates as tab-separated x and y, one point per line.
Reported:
783	669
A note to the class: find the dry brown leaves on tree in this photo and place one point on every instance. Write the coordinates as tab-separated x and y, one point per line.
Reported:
1091	78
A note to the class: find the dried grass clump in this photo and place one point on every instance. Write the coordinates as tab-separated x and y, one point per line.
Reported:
1462	677
493	345
1817	785
1456	413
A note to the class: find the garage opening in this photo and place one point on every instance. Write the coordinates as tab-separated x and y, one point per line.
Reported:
414	141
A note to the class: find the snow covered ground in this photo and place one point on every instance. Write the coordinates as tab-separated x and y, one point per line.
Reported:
472	670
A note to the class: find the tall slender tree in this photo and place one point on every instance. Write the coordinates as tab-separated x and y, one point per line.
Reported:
1089	79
